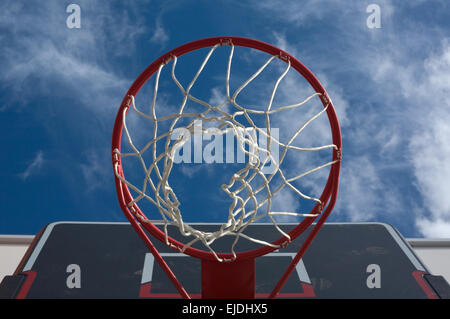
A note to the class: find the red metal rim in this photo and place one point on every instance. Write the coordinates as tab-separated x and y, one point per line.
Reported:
329	194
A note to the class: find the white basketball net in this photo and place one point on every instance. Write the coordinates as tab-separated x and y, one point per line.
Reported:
163	197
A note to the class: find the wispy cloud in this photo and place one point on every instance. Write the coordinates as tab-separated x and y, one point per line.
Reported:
34	167
294	11
401	119
159	35
95	172
433	228
361	190
430	150
74	59
306	12
419	107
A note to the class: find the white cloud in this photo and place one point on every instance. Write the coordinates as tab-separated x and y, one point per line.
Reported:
404	115
429	146
436	228
159	35
34	167
282	43
295	11
360	189
53	64
94	171
419	103
389	140
306	12
437	67
430	155
75	59
218	97
191	170
400	127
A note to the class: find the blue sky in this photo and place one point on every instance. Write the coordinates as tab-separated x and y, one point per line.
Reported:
60	89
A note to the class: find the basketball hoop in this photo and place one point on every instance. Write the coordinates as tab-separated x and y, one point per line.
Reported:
224	274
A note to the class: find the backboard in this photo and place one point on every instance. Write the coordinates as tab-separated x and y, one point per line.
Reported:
108	260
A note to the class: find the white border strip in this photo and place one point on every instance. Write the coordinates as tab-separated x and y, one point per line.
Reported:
407	250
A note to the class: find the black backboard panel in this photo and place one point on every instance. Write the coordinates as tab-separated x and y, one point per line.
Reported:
108	260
